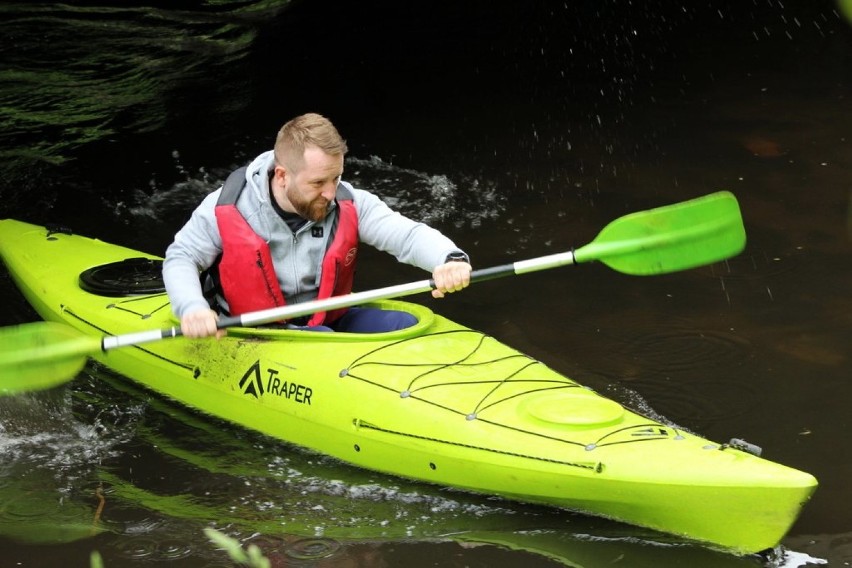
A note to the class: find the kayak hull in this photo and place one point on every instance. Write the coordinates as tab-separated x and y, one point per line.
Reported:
437	402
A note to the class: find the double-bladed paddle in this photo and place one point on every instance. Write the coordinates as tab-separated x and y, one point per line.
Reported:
667	239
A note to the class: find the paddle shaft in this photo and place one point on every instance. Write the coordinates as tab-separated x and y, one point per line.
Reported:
270	315
666	239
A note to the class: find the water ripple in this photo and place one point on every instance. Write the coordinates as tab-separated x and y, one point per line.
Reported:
137	547
312	548
700	402
676	351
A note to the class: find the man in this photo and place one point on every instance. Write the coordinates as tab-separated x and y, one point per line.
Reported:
286	229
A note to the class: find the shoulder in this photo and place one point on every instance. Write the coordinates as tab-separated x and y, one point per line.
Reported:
206	209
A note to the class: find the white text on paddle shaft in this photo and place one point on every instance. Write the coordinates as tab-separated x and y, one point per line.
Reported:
253	383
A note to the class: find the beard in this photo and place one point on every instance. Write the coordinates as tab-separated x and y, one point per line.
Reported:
314	210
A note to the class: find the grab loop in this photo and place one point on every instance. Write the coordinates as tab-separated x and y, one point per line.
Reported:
743	446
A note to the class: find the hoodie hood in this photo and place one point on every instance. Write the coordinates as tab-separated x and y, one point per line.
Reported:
257	175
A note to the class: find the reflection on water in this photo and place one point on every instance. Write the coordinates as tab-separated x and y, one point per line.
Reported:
148	50
48	480
159	474
137	70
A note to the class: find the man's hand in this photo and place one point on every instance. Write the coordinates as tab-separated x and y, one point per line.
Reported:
450	277
200	323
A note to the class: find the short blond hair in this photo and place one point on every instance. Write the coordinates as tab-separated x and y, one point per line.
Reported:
306	130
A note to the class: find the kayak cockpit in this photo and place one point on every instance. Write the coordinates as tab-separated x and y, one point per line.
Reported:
139	277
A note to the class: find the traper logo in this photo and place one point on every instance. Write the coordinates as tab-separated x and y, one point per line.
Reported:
253	383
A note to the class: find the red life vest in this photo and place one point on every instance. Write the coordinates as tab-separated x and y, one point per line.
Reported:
247	276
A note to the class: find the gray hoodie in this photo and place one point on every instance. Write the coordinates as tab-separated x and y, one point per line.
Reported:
298	256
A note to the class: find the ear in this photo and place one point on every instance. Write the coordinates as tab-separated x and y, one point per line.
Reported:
280	174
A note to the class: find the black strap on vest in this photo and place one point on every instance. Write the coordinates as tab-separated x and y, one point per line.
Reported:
210	284
233	187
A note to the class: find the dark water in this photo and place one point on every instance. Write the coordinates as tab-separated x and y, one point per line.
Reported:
518	128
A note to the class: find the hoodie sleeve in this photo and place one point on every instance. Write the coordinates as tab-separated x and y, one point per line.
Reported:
195	248
409	241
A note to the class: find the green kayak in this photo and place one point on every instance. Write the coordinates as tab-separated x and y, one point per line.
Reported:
437	402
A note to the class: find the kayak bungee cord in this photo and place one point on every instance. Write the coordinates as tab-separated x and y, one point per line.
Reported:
522	381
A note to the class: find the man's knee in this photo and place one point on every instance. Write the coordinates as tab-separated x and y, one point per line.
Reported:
373	320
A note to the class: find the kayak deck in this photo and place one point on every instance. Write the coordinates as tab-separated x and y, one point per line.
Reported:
436	402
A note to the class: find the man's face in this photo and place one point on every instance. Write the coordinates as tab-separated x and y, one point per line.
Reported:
311	188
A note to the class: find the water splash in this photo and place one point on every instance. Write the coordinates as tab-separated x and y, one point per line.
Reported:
782	557
42	429
430	198
435	199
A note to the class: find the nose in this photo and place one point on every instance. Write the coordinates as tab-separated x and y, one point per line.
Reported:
329	190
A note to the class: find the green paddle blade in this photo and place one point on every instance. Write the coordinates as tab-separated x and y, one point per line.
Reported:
676	237
41	355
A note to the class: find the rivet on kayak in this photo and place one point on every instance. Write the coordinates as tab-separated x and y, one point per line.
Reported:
357	448
405	394
591	447
432	466
343	373
196	373
471	416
